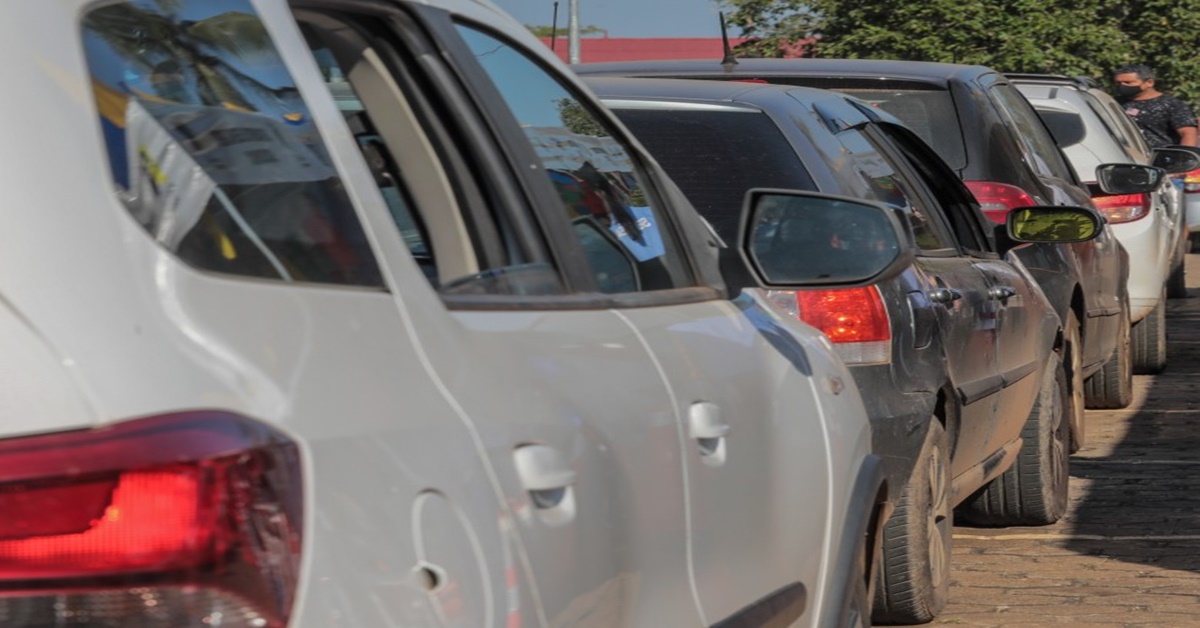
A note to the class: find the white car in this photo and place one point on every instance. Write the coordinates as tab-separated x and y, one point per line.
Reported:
367	314
1091	129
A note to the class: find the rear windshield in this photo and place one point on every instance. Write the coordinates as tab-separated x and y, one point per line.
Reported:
927	109
716	156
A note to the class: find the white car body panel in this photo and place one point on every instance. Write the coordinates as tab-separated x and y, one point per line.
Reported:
407	414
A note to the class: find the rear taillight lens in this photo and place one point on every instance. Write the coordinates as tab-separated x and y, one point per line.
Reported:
183	519
1191	182
854	319
1118	208
997	199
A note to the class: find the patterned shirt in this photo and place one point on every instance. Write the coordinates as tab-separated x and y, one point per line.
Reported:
1158	118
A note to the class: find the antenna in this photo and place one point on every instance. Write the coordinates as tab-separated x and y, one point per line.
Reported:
729	61
554	27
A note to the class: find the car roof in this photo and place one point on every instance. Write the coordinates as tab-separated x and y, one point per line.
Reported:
925	71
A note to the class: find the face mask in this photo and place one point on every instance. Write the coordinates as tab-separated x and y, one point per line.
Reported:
1128	91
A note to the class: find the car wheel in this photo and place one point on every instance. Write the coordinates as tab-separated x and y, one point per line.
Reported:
914	570
1112	386
1177	282
1073	359
1033	491
1149	340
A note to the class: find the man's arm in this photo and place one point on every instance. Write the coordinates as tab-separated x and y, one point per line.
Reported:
1187	135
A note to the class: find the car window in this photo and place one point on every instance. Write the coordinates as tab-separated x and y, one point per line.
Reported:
212	149
627	238
716	156
927	109
889	187
957	206
1037	146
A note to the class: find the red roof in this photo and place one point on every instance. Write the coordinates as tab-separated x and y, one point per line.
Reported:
601	49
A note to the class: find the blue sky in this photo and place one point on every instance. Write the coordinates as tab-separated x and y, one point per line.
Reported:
626	18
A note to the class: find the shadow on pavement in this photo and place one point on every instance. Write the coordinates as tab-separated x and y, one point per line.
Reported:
1135	488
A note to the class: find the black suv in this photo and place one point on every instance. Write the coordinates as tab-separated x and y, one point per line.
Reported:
989	134
952	356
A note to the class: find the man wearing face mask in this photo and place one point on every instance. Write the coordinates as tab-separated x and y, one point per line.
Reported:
1163	119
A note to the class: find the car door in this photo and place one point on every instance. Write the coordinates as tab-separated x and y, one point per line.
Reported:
260	282
750	543
598	498
1012	302
955	290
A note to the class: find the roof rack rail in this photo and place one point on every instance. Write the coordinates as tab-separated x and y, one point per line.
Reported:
1080	80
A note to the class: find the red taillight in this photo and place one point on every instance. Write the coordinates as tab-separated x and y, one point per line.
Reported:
997	199
202	508
854	319
1191	182
1118	208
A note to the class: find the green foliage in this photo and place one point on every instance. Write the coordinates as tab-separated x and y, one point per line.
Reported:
1076	37
547	31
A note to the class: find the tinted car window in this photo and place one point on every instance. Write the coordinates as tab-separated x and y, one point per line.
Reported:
889	187
1036	144
627	239
716	156
1066	127
211	148
927	109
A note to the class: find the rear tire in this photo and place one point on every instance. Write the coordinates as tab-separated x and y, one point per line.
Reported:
1112	386
1073	351
1177	282
1033	491
914	570
1149	340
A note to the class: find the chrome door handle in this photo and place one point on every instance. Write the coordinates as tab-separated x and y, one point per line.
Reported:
546	477
706	426
944	295
1001	292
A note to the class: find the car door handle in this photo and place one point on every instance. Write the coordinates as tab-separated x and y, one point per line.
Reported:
709	430
944	295
1001	293
545	476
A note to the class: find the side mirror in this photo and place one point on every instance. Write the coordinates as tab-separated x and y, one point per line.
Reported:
791	239
1177	159
1058	223
1129	178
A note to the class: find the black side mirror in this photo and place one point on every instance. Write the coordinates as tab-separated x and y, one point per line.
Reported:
1177	159
1129	178
791	239
1057	223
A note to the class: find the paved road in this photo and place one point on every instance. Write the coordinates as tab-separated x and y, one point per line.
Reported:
1128	552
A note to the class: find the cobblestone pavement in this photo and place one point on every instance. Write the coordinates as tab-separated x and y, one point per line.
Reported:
1128	552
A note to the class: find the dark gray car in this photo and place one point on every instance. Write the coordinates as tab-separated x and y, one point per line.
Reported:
986	131
959	357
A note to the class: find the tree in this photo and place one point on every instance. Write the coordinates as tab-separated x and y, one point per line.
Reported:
1075	37
547	31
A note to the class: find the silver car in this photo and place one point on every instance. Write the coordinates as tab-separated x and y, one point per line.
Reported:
1092	130
367	314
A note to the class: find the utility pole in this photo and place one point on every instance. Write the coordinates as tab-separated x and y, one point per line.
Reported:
573	33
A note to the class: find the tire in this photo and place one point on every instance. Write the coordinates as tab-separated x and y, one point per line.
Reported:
1112	386
1073	363
1149	341
914	570
1177	282
1033	491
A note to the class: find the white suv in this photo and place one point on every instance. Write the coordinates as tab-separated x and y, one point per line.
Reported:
1091	129
366	314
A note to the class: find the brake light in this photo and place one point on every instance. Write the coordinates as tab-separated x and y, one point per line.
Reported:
854	319
997	199
1191	182
190	518
1118	208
